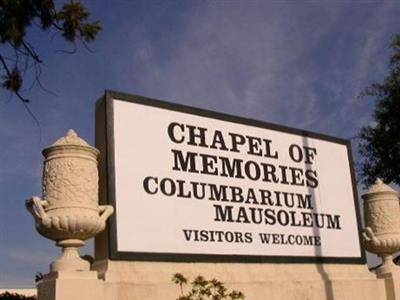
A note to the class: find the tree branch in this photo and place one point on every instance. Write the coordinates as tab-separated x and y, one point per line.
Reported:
86	45
57	26
38	73
73	51
28	47
5	65
24	102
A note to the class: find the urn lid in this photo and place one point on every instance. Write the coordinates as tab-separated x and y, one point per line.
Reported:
70	141
71	138
379	187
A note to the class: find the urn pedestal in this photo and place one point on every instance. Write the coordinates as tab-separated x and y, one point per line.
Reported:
69	212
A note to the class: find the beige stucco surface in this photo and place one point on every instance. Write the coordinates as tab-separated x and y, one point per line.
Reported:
152	280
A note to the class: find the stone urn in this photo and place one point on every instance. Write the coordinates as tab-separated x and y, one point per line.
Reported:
382	221
69	212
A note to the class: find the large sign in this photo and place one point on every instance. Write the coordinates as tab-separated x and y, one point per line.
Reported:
195	185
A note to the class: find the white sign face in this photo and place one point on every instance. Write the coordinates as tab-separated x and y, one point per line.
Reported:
204	185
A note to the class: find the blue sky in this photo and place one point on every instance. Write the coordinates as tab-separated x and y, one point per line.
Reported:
296	63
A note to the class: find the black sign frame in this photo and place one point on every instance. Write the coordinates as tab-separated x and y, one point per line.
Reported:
105	142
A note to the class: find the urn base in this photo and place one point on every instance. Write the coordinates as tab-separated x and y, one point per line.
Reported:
70	259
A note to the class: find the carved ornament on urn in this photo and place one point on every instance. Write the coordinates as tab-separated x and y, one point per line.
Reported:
382	220
69	212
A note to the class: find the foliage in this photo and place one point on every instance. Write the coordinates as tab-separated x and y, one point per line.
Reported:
9	296
38	276
202	289
380	143
18	56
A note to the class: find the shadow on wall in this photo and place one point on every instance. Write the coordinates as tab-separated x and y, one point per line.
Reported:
316	231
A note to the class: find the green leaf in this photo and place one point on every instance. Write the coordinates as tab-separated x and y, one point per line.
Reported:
13	81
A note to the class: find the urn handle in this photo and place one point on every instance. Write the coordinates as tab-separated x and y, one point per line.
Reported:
369	236
371	239
36	206
105	211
